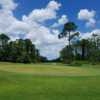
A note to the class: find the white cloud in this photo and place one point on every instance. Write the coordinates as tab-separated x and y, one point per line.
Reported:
51	51
85	14
53	5
43	14
91	23
88	16
89	34
6	19
61	21
8	5
31	26
38	15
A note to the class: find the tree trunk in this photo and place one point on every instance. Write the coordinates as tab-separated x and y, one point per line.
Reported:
69	39
83	52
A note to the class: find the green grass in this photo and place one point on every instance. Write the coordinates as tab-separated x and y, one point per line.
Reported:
49	82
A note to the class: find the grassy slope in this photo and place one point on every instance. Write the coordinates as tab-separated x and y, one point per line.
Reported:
48	82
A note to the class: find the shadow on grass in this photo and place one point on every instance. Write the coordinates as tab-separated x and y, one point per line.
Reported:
74	64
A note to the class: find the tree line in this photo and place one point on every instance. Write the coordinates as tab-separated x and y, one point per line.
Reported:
19	51
79	49
24	51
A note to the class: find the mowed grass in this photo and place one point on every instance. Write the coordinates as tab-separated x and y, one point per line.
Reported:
49	82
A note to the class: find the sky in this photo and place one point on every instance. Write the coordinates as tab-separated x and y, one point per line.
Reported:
42	21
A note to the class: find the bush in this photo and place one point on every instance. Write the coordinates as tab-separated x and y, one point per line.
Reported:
95	57
24	59
67	55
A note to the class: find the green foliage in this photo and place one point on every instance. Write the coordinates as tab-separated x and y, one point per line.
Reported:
21	50
85	46
84	49
95	56
68	27
24	58
24	51
4	40
67	55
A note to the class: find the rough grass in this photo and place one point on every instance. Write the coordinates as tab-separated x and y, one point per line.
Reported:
49	82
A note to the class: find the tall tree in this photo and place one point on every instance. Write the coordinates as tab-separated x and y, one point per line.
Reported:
4	47
4	40
66	53
84	45
68	28
95	49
